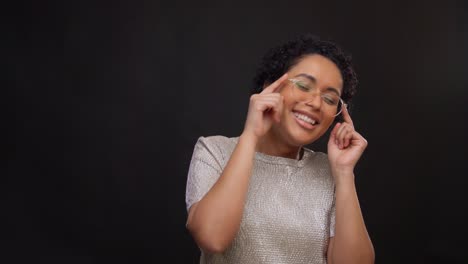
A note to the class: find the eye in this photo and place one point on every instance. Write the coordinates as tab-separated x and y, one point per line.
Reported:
302	86
330	99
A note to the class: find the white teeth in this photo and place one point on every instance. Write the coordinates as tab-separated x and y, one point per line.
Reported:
305	118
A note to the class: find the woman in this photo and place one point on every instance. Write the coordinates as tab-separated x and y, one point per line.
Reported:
264	198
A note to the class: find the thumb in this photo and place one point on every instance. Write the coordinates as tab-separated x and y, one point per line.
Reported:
333	133
277	117
279	110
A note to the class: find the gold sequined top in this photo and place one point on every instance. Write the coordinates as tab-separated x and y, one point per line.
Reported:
289	213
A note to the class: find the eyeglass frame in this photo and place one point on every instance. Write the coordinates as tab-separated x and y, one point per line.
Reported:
294	81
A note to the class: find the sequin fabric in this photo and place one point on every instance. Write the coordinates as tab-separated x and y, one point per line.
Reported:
289	212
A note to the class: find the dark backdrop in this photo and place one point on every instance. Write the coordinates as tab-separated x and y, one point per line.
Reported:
105	101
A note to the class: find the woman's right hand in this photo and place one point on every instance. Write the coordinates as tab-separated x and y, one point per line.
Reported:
264	109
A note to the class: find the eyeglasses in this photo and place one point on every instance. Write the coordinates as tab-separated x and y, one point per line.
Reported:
304	89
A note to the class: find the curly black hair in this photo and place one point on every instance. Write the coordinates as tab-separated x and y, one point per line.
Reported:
280	59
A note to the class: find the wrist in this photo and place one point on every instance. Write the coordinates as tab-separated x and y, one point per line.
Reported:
248	138
343	177
341	170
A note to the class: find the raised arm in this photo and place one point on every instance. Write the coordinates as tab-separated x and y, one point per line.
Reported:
215	219
351	243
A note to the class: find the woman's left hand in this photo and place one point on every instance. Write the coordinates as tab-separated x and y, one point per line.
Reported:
345	146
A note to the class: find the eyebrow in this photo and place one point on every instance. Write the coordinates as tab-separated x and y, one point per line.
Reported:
312	79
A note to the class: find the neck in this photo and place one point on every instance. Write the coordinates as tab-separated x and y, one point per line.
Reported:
271	144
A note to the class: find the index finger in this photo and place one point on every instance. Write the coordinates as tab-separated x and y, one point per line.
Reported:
274	86
346	116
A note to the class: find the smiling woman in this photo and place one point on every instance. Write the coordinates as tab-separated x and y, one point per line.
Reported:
264	198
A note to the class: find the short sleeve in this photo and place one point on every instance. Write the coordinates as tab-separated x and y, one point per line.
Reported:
205	169
332	219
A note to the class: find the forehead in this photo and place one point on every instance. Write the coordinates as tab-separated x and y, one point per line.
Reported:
324	70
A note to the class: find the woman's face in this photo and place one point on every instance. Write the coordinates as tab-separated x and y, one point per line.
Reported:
321	74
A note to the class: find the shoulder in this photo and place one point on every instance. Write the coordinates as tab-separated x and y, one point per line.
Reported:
217	143
317	156
216	140
318	162
217	147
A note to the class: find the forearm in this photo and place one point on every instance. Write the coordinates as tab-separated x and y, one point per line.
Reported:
351	242
216	218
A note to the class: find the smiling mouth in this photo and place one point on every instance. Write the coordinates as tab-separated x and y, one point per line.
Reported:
305	121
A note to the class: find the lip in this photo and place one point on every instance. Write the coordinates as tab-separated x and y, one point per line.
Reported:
310	115
303	123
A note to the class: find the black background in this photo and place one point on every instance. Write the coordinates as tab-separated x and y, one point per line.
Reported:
105	101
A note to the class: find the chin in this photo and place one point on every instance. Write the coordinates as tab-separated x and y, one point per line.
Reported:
298	138
307	140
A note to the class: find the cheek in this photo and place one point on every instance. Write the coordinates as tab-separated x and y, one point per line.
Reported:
288	102
288	106
328	121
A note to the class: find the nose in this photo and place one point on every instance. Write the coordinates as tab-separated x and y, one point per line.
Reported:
315	101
